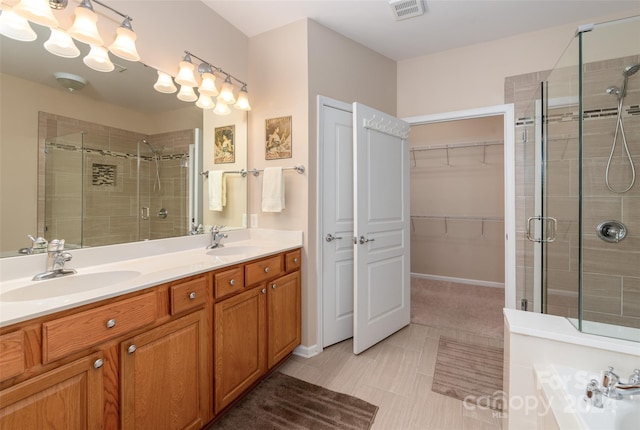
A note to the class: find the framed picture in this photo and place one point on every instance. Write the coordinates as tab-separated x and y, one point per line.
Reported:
278	138
225	144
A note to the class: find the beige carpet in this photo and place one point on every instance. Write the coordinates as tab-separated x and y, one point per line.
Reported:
469	372
469	308
284	402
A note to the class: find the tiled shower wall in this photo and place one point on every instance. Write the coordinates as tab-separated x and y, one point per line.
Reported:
102	206
611	274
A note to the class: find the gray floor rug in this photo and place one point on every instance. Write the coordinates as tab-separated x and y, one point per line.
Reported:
468	372
284	402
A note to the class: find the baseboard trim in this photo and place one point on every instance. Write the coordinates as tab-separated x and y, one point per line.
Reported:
459	280
306	351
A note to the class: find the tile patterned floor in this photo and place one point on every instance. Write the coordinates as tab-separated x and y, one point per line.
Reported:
396	375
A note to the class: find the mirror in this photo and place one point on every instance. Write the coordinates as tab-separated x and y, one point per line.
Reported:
112	162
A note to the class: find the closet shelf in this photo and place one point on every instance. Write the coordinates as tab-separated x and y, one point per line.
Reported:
446	220
449	146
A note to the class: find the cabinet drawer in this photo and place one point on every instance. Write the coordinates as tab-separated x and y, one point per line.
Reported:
292	260
229	282
262	270
11	354
188	295
73	333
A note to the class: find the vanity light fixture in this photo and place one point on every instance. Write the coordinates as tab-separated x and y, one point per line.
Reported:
207	88
98	59
16	27
165	84
61	44
37	11
85	28
226	92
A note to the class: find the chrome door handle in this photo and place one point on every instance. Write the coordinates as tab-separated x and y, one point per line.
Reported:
364	240
551	237
331	238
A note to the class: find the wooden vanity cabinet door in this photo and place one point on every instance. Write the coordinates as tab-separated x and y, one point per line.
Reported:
165	376
12	354
284	308
239	344
69	397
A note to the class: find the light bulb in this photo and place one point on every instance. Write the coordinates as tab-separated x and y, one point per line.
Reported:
221	108
243	100
16	27
205	102
185	74
61	44
37	11
98	59
84	28
208	85
125	44
226	92
165	84
186	94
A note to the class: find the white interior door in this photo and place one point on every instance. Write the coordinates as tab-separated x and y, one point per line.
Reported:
381	213
337	223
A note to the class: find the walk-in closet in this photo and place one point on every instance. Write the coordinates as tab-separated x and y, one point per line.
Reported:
457	223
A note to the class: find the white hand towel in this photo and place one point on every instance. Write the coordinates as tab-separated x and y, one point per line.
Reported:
273	190
217	190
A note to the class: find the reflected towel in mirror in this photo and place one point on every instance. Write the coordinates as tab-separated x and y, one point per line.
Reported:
217	190
273	190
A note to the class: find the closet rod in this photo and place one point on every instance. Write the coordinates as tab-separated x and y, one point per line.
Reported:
459	218
455	145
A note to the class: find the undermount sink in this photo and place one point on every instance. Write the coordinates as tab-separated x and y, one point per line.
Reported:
234	250
63	286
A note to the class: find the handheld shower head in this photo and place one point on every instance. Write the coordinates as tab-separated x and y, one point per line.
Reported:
631	70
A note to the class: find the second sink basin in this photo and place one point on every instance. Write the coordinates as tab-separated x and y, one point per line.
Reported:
70	284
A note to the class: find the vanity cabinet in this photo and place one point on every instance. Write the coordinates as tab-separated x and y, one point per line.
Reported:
140	361
163	376
68	397
258	327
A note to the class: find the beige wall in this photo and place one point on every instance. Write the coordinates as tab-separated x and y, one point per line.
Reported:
473	76
290	67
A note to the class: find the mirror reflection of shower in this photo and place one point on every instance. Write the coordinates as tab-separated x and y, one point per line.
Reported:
156	160
620	93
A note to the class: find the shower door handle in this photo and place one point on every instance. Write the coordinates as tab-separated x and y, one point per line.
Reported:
550	237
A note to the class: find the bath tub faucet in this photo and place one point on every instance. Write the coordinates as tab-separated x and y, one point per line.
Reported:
216	237
56	257
615	389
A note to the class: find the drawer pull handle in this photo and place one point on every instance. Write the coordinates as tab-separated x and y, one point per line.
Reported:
295	260
131	349
274	286
98	363
192	295
111	323
264	291
232	282
266	269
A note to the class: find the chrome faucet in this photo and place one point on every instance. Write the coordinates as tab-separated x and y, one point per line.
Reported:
56	257
615	389
216	237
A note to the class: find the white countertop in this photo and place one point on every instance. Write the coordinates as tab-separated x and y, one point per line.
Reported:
151	263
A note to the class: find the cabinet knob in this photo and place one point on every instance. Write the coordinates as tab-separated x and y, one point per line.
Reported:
131	349
98	363
264	290
192	295
266	269
273	286
232	282
111	323
295	260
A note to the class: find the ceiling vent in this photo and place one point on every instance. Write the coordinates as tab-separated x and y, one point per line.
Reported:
405	9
